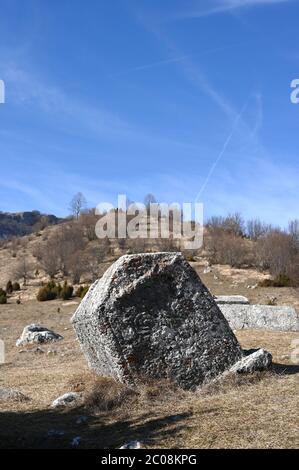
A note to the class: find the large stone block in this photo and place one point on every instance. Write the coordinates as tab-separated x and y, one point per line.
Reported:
151	316
261	317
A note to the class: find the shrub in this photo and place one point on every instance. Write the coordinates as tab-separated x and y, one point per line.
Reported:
46	293
66	291
282	280
3	298
9	287
52	291
106	394
81	291
16	286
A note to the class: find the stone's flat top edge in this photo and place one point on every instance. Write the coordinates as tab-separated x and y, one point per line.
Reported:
166	254
231	299
253	307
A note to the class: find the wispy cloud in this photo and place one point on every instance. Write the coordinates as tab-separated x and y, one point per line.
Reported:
214	7
27	88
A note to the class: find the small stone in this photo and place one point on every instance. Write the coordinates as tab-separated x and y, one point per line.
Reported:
76	441
51	352
68	399
132	445
37	334
207	270
10	394
258	360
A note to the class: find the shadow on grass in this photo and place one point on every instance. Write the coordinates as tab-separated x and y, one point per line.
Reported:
53	429
284	369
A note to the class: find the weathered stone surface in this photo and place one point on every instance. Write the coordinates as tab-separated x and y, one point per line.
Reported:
68	399
10	394
254	361
261	317
231	300
36	334
151	316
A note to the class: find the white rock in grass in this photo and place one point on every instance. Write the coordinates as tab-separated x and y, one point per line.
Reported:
37	334
254	361
68	399
10	394
132	445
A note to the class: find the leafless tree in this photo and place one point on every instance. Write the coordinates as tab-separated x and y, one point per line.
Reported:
275	251
256	229
77	204
93	261
23	270
76	265
294	232
88	221
49	259
68	240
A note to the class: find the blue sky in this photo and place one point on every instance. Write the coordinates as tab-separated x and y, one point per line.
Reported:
180	98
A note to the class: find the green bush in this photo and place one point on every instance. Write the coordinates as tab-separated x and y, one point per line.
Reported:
52	291
81	291
66	291
46	293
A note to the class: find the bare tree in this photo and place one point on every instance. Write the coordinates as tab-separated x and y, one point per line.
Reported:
23	270
294	232
234	224
256	229
88	221
93	261
77	204
68	241
275	251
76	264
49	258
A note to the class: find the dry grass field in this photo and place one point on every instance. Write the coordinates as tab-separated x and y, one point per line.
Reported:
261	411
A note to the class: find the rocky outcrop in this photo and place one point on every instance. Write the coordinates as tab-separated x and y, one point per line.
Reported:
261	317
37	334
151	316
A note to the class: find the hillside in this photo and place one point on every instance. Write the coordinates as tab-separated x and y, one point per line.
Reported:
23	223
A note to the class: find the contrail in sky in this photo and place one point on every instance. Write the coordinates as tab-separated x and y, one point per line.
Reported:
225	145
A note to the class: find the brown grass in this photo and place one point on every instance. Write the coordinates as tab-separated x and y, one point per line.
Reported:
106	394
259	411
